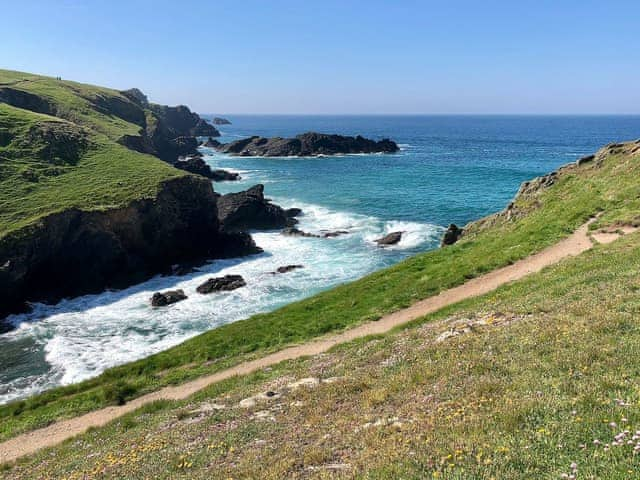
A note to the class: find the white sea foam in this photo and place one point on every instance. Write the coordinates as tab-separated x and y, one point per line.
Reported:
82	337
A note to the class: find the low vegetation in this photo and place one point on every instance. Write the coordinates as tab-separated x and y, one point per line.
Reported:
540	217
68	156
535	380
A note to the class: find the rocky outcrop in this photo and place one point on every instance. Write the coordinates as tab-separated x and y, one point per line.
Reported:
183	121
451	235
76	252
307	144
288	268
166	132
390	239
211	143
220	175
222	284
58	143
198	166
293	212
296	232
220	121
162	299
249	210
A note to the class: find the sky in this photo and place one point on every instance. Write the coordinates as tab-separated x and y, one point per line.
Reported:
342	56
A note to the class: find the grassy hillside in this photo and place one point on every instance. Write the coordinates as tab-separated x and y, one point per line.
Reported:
544	213
535	380
68	156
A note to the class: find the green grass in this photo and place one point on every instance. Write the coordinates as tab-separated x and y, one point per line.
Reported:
523	396
610	188
103	174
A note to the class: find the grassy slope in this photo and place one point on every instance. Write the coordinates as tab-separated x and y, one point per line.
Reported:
611	188
107	174
518	399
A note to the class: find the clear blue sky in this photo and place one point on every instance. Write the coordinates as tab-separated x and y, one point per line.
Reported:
326	56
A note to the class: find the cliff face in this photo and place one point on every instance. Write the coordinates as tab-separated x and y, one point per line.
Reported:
76	252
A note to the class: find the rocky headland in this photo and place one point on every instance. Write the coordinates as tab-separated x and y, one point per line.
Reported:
133	216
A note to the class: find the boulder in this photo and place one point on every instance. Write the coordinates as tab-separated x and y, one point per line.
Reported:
162	299
250	210
307	144
288	268
451	236
219	284
390	239
295	232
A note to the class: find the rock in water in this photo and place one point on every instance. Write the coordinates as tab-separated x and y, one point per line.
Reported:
224	175
296	232
307	144
452	235
288	268
250	210
220	121
390	239
211	143
162	299
218	284
335	233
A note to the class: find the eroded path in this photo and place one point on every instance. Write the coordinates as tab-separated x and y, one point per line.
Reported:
578	242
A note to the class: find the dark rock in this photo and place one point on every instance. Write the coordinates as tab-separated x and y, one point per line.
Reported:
295	232
136	96
211	143
390	239
198	166
335	233
183	268
224	175
183	121
583	160
307	144
250	210
220	121
162	299
451	236
218	284
293	212
288	268
194	165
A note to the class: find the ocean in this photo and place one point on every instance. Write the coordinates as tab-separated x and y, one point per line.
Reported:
450	169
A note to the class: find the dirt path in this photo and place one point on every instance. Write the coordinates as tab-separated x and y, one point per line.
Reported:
575	244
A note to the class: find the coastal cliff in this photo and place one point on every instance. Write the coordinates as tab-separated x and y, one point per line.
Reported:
76	252
89	197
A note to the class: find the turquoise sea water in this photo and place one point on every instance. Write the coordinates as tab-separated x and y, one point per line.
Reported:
450	169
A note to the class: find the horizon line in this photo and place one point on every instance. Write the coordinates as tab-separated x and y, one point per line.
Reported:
606	114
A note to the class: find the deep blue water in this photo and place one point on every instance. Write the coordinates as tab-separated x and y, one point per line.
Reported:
451	169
